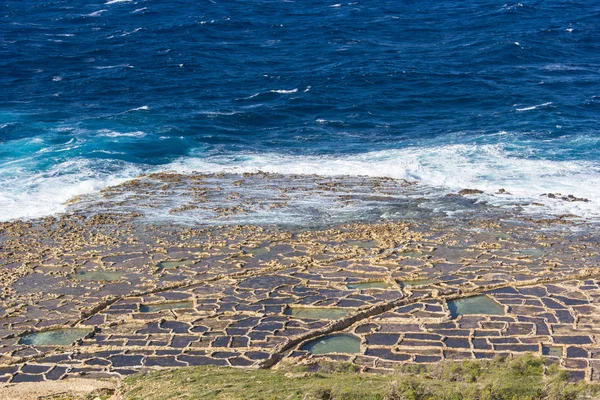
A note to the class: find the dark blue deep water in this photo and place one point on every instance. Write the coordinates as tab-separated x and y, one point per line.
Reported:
455	94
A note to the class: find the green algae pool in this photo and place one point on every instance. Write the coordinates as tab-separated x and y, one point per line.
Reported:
474	305
149	308
530	252
343	343
552	351
55	337
101	275
316	313
410	254
365	244
166	265
368	285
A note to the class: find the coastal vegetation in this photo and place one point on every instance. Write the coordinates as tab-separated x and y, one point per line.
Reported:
525	377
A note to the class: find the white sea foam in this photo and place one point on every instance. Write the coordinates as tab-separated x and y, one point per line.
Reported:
511	7
142	108
131	32
109	133
45	193
534	107
110	152
118	1
217	113
562	67
96	13
283	91
333	121
113	66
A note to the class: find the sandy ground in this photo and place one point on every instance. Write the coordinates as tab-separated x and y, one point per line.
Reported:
76	388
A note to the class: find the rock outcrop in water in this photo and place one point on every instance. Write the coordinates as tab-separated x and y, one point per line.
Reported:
568	197
464	192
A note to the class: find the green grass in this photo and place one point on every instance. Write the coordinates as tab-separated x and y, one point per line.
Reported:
524	377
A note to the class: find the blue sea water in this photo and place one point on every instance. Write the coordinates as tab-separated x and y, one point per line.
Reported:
476	94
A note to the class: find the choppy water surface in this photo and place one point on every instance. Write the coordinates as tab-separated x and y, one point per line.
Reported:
452	94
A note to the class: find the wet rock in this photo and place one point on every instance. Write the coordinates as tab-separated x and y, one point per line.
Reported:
465	192
570	197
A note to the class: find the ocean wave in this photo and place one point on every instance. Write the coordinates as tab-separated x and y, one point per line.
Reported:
283	91
131	32
562	67
113	66
534	107
142	108
445	169
117	1
45	193
109	152
113	134
217	113
96	13
322	121
251	96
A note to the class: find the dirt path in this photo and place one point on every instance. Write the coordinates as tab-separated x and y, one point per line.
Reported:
74	387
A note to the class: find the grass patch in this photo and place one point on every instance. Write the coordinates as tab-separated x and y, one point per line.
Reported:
524	377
